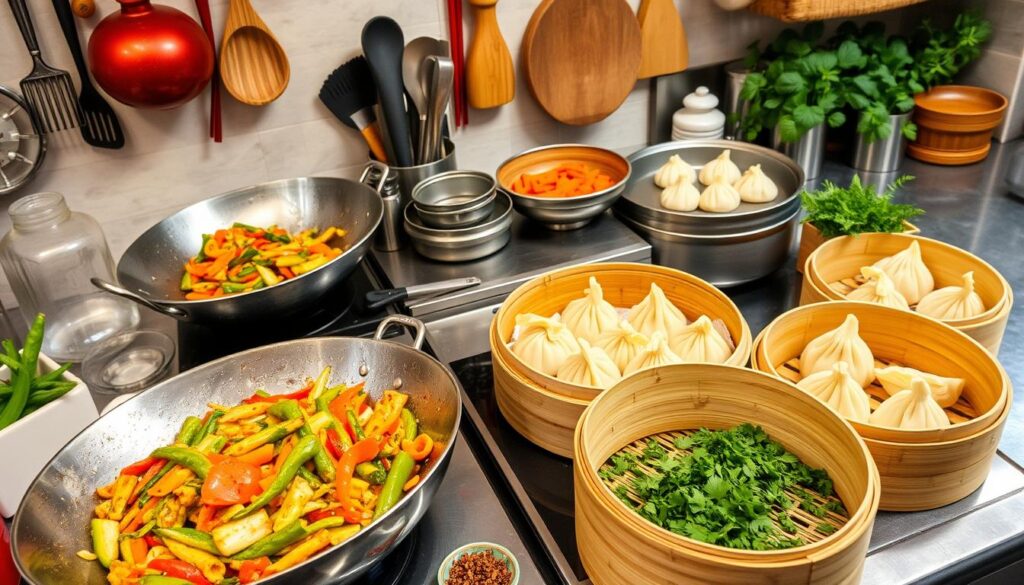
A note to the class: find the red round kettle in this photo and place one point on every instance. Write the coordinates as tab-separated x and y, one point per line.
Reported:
150	56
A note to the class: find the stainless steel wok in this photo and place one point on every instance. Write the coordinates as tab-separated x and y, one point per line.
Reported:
150	270
52	523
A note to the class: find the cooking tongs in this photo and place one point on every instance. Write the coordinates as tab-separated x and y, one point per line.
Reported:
378	298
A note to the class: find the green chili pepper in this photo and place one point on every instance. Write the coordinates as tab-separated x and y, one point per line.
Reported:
401	470
353	422
310	477
141	531
290	410
191	537
304	450
325	524
246	255
13	363
43	397
321	383
201	256
162	580
232	287
273	543
22	379
187	435
185	457
323	405
185	285
409	426
51	377
372	472
258	284
12	352
246	227
209	426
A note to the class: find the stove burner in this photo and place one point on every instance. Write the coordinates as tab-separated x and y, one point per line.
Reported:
390	569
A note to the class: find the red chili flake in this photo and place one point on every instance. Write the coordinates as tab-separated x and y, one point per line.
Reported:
481	568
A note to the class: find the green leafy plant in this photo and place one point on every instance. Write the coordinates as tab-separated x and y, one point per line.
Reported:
939	54
840	211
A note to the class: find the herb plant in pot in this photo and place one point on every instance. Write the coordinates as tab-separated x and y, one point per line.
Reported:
834	211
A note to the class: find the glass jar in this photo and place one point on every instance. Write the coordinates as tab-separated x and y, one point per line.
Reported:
49	257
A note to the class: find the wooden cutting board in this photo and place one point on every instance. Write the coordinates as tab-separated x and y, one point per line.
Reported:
581	58
664	49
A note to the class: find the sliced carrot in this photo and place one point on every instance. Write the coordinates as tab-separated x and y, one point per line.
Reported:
139	550
260	456
197	296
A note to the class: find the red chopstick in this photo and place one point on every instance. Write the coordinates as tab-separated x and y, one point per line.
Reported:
216	130
453	46
462	63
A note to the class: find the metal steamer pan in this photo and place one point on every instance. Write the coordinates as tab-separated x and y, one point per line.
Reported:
52	523
724	248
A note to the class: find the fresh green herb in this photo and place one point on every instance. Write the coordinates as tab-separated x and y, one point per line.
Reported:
838	211
725	491
941	53
825	528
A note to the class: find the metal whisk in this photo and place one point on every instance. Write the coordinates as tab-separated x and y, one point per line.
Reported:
48	90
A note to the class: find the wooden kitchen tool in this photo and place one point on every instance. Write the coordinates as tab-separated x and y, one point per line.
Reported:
253	65
581	57
489	73
664	49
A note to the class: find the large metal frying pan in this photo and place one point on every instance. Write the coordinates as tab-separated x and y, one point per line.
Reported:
52	523
150	270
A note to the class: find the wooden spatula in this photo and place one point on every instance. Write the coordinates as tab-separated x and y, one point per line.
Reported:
664	49
490	78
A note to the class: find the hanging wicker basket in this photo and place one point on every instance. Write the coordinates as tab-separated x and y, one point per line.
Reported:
806	10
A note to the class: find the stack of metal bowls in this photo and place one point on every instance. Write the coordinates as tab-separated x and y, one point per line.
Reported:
458	216
725	249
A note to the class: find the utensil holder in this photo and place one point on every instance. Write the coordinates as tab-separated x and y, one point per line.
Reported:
735	106
884	155
409	177
808	151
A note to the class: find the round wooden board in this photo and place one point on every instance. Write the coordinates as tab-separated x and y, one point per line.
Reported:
581	58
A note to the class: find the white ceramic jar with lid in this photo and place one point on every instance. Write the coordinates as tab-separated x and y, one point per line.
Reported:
698	118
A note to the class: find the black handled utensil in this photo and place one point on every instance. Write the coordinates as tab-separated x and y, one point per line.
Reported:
378	298
47	89
383	45
100	127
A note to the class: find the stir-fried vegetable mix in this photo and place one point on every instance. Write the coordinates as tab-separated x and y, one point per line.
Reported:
251	490
244	257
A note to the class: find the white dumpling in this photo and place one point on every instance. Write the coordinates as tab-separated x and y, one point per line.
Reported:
720	169
908	271
680	197
700	341
912	409
719	197
543	343
591	366
953	302
879	289
945	391
842	344
656	313
838	389
591	315
755	186
622	343
673	172
654	354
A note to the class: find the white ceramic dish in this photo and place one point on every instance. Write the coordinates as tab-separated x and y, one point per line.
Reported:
28	444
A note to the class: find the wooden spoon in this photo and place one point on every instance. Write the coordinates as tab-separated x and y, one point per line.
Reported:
490	78
253	66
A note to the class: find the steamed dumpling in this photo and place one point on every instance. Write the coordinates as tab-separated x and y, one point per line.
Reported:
591	315
912	409
945	391
680	197
720	169
654	354
879	289
673	172
590	367
842	344
543	343
909	272
953	302
719	197
839	391
656	313
755	186
622	343
701	342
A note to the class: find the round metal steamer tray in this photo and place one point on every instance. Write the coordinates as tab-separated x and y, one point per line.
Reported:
726	249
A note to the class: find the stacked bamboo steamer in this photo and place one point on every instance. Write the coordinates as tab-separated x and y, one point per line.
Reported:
544	409
920	470
840	259
691	396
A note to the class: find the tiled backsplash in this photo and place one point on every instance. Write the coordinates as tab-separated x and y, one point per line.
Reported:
169	162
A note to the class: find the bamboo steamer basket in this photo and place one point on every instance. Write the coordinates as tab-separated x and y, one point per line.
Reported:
624	285
921	467
689	396
841	258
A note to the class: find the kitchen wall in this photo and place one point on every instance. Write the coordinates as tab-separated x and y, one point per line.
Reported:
169	162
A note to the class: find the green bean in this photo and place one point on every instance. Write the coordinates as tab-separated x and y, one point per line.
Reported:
191	537
304	450
290	410
185	457
10	362
53	376
271	434
311	477
23	377
12	352
401	470
187	435
210	425
43	397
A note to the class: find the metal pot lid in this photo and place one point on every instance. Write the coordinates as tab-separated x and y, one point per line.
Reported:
641	199
741	225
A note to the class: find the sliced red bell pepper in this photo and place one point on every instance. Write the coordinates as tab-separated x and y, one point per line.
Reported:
300	395
364	450
152	540
179	569
318	515
251	571
334	445
140	467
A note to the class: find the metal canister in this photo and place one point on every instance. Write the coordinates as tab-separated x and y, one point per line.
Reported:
390	237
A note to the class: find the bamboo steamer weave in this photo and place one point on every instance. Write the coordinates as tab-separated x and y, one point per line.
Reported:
689	396
811	238
805	10
831	268
920	470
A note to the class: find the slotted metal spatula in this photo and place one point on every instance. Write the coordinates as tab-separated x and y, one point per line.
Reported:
48	90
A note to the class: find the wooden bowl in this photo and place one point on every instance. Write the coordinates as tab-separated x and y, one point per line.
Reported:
830	269
690	396
955	123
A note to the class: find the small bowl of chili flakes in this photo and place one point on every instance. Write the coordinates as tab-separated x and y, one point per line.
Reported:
479	563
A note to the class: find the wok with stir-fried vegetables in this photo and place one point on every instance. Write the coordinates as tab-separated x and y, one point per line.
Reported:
244	258
250	490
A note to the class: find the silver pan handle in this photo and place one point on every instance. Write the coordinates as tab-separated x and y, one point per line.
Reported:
127	294
416	325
